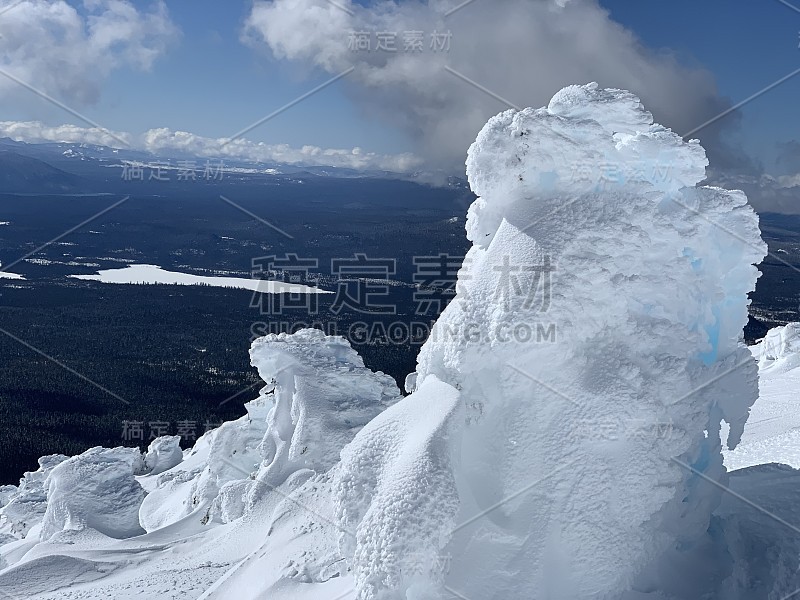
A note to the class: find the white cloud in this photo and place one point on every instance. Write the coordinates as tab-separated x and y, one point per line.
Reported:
521	50
764	192
166	142
35	131
68	53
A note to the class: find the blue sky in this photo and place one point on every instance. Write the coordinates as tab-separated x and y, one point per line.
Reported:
746	45
210	83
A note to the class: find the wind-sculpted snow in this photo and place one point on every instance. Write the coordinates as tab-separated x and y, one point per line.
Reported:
163	454
323	395
6	492
318	394
772	434
24	506
96	490
779	350
396	495
589	220
578	464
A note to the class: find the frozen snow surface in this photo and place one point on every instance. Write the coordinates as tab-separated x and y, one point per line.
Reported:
772	433
153	274
6	274
564	434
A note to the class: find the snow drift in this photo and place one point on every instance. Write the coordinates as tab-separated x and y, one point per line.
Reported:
580	463
772	434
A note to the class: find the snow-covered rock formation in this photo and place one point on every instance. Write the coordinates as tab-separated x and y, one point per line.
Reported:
563	434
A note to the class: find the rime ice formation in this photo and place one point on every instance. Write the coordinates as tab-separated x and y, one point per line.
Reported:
564	420
779	350
95	490
24	506
323	395
593	213
318	395
163	454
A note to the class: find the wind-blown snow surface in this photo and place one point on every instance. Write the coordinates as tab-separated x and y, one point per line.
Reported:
494	478
772	434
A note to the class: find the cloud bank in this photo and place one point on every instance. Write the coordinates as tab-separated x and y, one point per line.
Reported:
165	142
520	50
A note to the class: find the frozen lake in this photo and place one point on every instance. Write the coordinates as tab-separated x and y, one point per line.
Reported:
153	274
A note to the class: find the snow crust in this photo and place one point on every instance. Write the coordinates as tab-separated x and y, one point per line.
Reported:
580	466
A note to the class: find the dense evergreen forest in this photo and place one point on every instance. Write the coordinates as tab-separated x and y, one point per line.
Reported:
171	359
174	359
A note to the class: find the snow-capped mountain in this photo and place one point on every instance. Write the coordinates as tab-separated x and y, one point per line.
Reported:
591	467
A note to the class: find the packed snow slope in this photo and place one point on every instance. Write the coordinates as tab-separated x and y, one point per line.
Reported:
772	433
562	439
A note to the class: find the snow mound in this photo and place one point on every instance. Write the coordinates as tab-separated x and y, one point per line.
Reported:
25	506
98	490
163	454
590	226
396	495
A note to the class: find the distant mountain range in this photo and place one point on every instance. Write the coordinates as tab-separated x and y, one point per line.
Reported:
23	174
64	167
